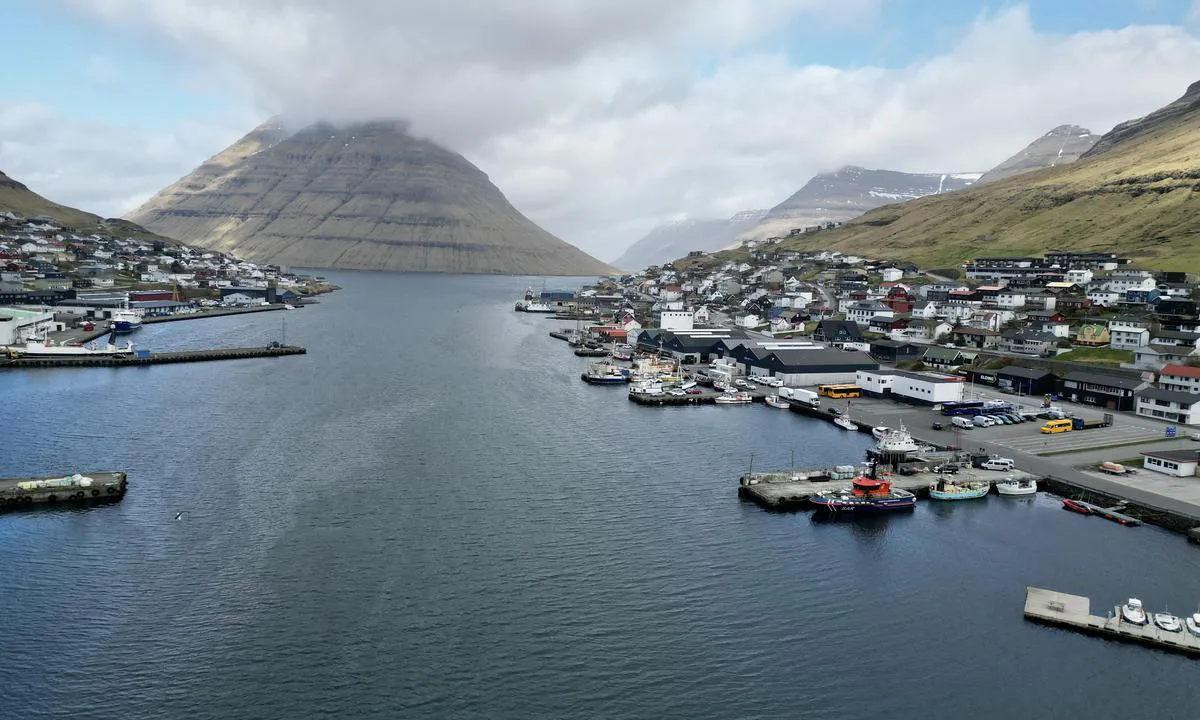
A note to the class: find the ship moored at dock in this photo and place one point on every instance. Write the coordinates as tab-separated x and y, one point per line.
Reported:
89	487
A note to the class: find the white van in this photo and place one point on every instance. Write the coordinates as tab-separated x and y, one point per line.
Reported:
1001	464
983	421
959	421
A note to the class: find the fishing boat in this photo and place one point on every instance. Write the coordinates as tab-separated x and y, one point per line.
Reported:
622	352
1012	486
1076	506
1167	621
844	423
865	495
47	349
895	440
1193	623
736	398
531	304
777	402
880	431
1133	612
126	320
604	374
944	489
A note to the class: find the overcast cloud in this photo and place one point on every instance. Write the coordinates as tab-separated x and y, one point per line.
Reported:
600	120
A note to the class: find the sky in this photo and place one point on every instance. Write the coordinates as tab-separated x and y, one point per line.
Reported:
599	119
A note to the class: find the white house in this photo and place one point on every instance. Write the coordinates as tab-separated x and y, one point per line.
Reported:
1010	299
1124	280
1170	405
891	274
1182	378
862	312
677	320
749	320
1128	333
1079	277
1105	298
1177	463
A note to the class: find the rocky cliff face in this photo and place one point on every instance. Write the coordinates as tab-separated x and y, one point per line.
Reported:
367	196
849	192
675	240
1064	144
1164	119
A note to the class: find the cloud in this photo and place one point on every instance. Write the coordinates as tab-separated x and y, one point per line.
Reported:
601	119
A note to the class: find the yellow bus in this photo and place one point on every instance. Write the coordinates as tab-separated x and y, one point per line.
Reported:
839	391
1057	426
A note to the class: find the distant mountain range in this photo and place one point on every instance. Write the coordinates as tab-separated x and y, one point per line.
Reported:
363	196
674	240
1134	192
1061	146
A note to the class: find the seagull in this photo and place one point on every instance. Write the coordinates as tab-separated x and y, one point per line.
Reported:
179	515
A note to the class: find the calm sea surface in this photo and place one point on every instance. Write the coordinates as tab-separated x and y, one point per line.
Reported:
430	516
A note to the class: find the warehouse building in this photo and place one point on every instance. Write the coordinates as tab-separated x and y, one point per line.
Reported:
910	387
1112	392
799	367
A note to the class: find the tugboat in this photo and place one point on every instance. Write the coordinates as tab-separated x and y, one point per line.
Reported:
1132	612
943	489
866	495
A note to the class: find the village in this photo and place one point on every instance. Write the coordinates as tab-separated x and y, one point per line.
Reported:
1084	341
60	286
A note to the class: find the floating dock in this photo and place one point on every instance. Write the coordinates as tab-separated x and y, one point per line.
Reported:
90	487
154	358
1074	612
703	398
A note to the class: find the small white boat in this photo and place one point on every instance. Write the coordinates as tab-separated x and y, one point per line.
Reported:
880	431
1013	486
777	402
844	423
1193	624
688	385
1133	612
737	398
1168	622
895	440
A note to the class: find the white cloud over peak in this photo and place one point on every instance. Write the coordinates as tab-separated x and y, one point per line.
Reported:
602	119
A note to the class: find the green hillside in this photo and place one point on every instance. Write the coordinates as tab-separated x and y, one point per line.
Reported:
17	198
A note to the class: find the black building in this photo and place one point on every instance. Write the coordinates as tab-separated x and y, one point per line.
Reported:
1112	392
1027	381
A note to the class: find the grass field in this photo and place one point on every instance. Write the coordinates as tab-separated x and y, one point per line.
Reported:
1097	356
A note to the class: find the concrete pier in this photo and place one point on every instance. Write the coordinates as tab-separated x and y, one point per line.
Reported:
791	490
154	358
1074	612
25	492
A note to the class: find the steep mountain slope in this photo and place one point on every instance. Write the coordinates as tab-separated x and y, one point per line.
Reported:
367	196
1136	192
849	192
667	242
1061	146
17	198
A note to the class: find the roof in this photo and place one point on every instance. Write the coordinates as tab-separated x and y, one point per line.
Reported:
1181	371
1175	455
1176	396
974	331
1118	381
1176	335
1023	372
823	360
942	353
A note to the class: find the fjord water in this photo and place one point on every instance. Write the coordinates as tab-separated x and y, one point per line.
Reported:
429	515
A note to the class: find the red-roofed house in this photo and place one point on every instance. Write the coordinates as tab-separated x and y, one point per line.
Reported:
1183	378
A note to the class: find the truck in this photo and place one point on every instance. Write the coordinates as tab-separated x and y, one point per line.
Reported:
1113	468
1078	423
808	397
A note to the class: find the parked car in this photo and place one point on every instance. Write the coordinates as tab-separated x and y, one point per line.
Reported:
694	391
1008	391
833	411
937	426
997	463
907	470
946	468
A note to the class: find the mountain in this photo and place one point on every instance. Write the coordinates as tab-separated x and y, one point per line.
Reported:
364	196
674	240
1062	145
849	192
15	197
1136	193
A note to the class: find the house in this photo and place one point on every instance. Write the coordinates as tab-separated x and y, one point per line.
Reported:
862	312
1183	378
942	357
1155	356
1176	463
1104	298
929	330
1129	332
1029	342
1113	392
1170	405
1093	335
976	337
894	351
1010	299
1027	381
836	332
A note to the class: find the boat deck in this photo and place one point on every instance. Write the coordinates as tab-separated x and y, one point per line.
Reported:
1074	612
106	486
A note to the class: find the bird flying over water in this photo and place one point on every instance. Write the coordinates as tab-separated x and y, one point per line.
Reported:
179	514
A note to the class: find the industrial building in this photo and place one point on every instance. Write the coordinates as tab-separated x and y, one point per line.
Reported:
910	387
20	324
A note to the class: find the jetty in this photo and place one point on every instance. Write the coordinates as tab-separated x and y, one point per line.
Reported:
702	398
1074	612
783	491
145	357
89	487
